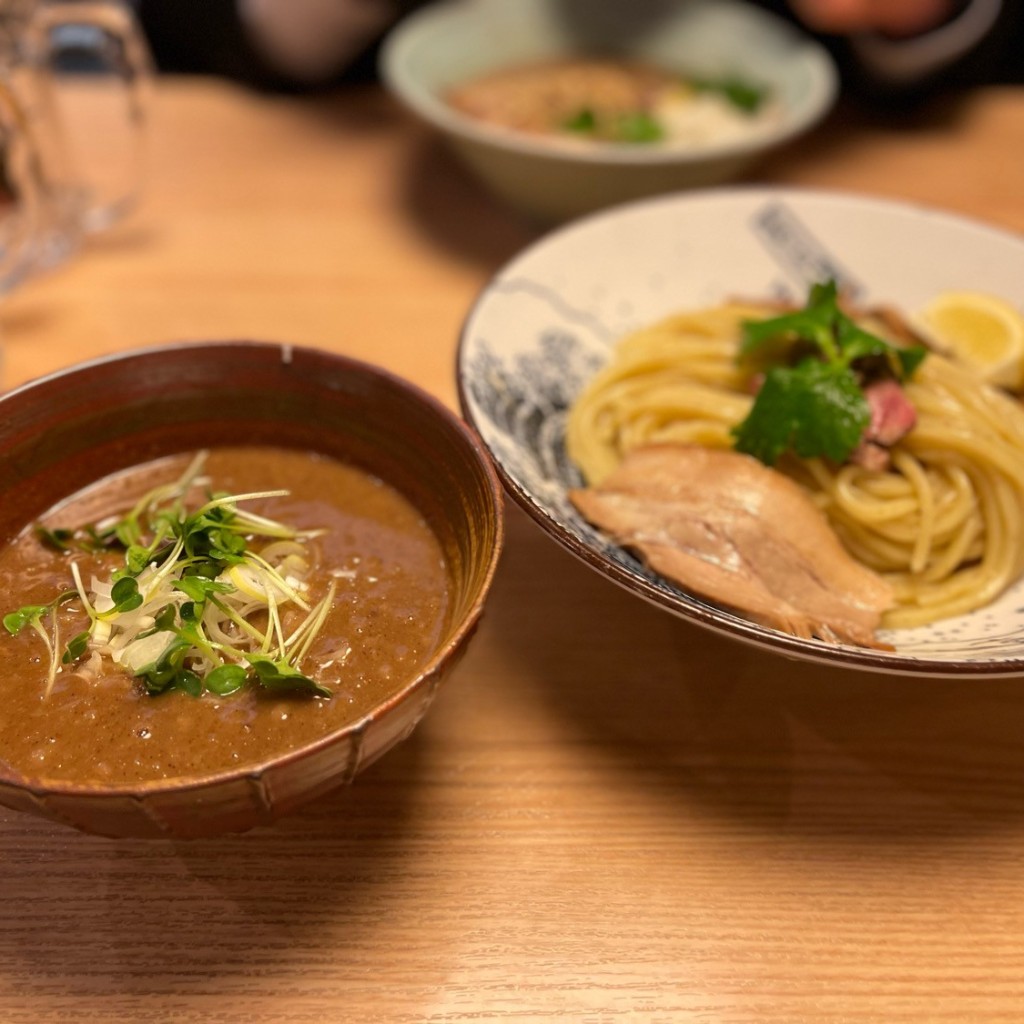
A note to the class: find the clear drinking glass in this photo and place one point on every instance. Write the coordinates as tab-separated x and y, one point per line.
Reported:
58	180
21	192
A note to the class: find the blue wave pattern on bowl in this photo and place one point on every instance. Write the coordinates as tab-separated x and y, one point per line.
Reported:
525	399
541	338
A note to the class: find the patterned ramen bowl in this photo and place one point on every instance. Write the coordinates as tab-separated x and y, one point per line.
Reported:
550	319
405	526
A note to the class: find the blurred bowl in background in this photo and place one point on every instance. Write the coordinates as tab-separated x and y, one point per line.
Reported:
75	427
453	41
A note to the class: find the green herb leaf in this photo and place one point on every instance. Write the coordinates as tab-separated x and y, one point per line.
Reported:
227	546
189	682
125	594
128	532
634	126
200	643
59	540
16	621
226	679
136	558
583	121
77	646
742	94
279	675
203	567
637	127
199	588
165	618
816	324
814	408
910	359
158	682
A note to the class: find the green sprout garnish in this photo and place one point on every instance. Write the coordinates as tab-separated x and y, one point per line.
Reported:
633	126
743	95
637	126
583	121
814	403
31	616
195	607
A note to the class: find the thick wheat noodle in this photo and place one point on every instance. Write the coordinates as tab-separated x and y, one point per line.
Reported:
942	524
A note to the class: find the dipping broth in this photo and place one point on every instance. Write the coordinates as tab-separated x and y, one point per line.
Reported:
386	619
590	102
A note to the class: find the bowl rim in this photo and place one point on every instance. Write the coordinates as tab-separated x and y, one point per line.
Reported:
460	633
392	66
710	617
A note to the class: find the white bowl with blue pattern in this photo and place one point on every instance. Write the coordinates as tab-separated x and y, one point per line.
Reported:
550	318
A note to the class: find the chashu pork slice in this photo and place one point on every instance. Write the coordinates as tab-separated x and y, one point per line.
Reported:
726	527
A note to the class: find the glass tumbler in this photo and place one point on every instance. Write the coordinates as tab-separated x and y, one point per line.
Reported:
61	177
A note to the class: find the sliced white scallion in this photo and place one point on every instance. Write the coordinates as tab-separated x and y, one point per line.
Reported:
199	591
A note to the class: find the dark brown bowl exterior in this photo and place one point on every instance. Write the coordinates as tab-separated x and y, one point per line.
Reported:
64	431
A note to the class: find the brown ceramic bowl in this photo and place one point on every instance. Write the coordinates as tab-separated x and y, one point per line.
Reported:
67	430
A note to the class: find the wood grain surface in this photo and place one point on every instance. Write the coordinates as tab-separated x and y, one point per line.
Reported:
608	815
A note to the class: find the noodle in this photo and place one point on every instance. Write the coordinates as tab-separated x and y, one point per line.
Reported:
942	524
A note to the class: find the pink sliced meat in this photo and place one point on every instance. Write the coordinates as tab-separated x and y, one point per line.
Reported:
892	418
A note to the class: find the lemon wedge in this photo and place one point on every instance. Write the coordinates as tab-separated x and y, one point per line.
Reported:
981	330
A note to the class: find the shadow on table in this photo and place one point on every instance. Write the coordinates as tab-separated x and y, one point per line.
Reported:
438	193
169	915
456	212
439	196
853	133
787	745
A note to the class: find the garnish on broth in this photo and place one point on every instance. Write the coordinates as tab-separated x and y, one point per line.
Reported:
593	100
635	126
199	602
645	125
741	93
817	362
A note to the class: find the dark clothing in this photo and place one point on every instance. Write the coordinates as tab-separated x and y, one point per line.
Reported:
208	37
998	58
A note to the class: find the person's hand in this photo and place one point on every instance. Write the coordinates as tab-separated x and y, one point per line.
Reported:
891	17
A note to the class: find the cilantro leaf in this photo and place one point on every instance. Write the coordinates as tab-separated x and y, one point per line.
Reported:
910	359
814	404
813	408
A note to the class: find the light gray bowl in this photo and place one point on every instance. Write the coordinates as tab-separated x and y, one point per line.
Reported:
452	41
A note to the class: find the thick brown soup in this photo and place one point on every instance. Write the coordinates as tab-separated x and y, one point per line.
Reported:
389	610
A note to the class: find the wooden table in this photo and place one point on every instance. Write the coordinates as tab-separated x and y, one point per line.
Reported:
609	815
